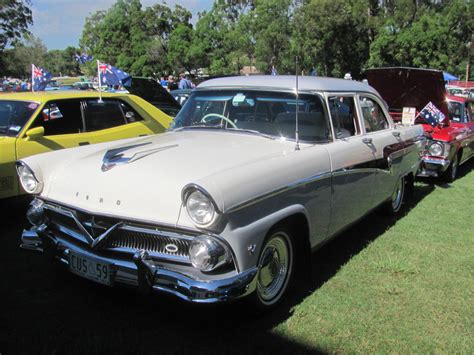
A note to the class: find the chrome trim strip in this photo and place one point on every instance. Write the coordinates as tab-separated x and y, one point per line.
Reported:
291	186
133	220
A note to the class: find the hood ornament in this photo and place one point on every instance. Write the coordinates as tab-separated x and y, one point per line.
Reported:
119	156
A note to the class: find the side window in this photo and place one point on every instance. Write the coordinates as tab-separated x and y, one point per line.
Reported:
129	112
60	117
103	114
374	118
344	116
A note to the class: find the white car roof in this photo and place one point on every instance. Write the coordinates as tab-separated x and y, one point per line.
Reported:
287	82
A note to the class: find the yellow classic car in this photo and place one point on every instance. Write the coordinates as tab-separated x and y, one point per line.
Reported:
33	123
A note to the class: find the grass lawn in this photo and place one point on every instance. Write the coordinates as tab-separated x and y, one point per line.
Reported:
409	290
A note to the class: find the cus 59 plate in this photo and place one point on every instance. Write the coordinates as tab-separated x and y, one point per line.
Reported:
90	268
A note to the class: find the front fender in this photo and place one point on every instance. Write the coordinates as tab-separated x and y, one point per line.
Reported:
246	239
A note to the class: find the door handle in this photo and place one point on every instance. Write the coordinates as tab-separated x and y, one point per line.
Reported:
396	134
367	140
83	143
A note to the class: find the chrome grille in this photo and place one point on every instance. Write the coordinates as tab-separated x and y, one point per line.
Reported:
153	241
126	238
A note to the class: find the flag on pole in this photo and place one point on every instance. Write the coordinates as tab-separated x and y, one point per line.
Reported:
431	114
40	78
110	75
83	58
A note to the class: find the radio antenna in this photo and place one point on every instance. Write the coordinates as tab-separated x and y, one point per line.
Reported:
297	138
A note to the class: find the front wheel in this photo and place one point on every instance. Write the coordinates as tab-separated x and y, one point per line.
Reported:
276	263
451	173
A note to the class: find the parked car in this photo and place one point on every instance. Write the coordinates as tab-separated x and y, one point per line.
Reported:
451	142
32	123
181	95
227	202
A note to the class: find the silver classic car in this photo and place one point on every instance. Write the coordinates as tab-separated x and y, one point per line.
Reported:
254	172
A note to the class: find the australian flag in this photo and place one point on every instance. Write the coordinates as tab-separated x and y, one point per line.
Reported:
82	58
432	115
41	78
110	75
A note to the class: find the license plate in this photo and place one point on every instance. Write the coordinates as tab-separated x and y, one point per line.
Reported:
89	268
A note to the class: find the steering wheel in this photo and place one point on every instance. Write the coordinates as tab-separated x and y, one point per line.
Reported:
204	119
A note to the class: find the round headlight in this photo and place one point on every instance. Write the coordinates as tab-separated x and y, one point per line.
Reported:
28	179
206	254
200	208
436	149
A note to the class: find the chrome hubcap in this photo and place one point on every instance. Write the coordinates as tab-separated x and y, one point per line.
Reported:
274	264
397	196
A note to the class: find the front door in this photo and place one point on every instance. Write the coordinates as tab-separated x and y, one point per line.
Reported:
62	121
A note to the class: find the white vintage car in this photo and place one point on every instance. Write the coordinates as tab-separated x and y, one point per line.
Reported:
252	174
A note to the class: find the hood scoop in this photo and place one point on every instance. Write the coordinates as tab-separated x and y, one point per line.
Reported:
129	154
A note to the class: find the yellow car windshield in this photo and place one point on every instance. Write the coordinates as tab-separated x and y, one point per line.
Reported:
14	115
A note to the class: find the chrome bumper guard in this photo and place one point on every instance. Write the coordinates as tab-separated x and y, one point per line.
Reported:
146	273
431	167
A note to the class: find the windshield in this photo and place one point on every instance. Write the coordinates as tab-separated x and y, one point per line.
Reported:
266	112
456	113
14	115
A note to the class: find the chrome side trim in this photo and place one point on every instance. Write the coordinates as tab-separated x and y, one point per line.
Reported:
291	186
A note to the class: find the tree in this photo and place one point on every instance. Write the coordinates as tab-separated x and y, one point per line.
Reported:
436	38
18	60
331	35
15	17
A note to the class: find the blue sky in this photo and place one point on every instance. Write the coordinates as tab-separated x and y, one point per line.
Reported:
59	23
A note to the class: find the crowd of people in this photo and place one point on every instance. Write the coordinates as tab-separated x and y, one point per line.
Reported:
171	84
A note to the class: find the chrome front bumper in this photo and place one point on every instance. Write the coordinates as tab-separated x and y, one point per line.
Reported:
433	167
146	273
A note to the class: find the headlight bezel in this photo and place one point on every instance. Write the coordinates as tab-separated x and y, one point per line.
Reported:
22	167
438	144
187	191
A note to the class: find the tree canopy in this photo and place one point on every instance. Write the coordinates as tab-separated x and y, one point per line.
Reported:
331	37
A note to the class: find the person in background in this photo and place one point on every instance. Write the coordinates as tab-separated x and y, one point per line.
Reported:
164	82
184	83
172	85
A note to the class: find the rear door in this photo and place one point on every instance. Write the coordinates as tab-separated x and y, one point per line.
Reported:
388	150
112	119
353	165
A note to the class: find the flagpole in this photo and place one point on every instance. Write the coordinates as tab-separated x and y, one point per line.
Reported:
100	81
32	78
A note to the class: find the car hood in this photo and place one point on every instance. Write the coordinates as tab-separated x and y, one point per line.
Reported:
409	87
143	178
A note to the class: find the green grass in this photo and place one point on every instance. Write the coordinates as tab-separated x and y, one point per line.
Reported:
410	290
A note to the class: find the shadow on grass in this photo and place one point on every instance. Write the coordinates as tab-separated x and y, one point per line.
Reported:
52	311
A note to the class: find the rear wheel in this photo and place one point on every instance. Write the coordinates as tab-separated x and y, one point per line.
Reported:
451	173
276	264
395	204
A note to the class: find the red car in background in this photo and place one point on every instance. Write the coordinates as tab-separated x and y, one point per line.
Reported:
450	142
